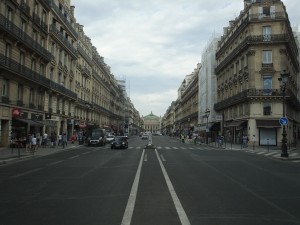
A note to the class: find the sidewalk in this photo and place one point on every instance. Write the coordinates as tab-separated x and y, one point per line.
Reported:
8	155
272	151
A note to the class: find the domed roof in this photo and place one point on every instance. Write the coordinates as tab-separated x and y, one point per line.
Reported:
151	116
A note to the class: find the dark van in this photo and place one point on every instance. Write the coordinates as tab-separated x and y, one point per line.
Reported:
97	138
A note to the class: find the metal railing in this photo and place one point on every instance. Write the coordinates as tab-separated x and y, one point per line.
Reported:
23	37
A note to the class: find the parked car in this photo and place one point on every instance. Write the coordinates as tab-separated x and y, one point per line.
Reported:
110	138
119	142
145	136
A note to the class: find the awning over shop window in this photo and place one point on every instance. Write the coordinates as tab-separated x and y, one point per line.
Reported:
30	122
216	127
239	123
268	123
49	123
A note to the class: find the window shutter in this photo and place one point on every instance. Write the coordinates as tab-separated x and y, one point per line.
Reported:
272	11
260	13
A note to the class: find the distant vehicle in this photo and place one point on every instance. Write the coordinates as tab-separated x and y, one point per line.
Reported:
119	142
97	138
110	138
145	136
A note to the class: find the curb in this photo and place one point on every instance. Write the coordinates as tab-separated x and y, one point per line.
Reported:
25	157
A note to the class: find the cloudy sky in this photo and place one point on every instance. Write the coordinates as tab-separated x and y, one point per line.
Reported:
154	44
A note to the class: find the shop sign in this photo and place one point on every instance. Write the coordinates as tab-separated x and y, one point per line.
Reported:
36	117
70	121
82	125
48	116
16	112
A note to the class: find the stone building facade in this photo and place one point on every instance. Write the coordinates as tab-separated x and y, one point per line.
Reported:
255	50
52	78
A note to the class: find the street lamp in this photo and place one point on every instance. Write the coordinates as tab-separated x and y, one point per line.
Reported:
207	112
284	77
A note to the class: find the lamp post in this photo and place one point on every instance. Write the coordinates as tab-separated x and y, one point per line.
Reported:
284	77
207	112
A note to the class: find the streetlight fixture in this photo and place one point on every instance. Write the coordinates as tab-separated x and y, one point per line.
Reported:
284	77
207	112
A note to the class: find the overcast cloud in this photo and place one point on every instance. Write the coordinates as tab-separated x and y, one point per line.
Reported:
154	44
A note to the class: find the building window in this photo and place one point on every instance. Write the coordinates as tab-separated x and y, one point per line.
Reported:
23	26
33	65
267	84
5	88
20	92
267	57
31	95
267	32
22	58
42	69
51	74
50	102
267	109
53	48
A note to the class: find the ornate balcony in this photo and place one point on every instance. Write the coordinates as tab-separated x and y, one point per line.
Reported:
55	8
257	94
85	55
5	100
258	39
64	41
18	34
24	7
36	19
28	74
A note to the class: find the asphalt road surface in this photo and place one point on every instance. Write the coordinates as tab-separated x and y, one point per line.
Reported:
171	184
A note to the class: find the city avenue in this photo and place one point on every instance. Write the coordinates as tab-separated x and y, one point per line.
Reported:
171	184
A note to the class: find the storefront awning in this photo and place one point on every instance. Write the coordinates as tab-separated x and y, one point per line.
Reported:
238	123
268	123
215	127
49	123
30	122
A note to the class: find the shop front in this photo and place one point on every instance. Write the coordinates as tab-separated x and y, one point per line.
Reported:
22	124
267	131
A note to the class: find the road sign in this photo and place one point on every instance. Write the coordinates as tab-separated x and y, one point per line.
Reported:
283	121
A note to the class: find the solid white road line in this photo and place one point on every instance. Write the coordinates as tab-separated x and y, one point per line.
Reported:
132	197
27	172
54	163
162	158
180	211
73	157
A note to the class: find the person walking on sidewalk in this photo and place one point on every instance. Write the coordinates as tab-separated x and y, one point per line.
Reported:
245	141
28	142
64	139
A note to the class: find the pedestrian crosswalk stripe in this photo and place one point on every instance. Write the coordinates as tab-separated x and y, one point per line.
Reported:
270	153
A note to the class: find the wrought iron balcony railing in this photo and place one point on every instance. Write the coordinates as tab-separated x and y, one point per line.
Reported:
65	43
17	33
255	39
24	7
59	13
257	93
26	73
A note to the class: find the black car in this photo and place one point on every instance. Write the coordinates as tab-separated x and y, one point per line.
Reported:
119	142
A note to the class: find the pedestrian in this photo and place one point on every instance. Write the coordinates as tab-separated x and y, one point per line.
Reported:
64	140
244	139
59	139
182	138
45	137
52	139
28	142
73	138
253	140
33	144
